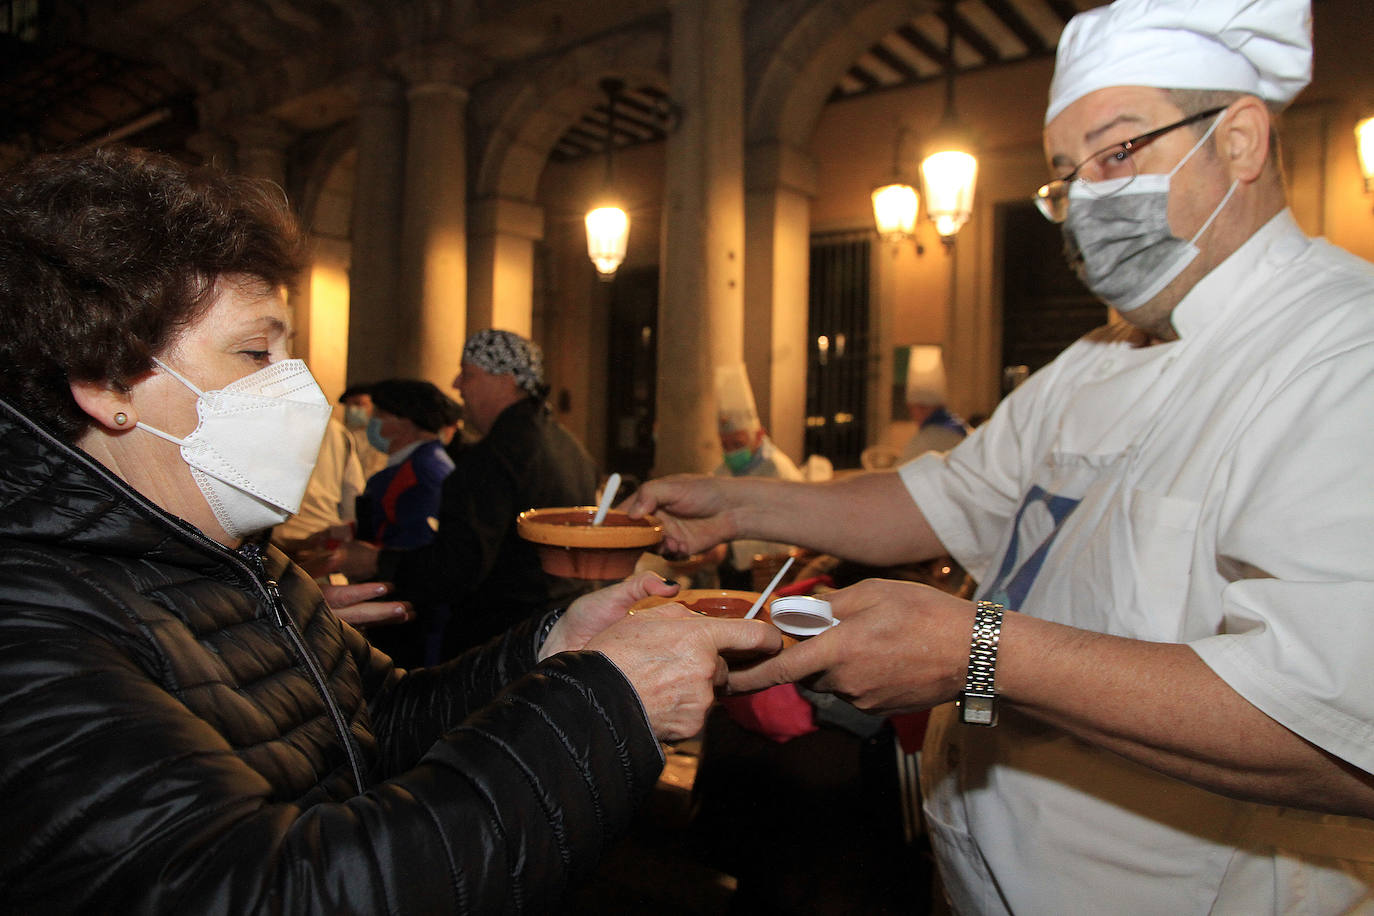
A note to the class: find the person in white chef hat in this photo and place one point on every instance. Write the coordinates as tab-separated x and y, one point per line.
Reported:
746	451
938	429
1163	690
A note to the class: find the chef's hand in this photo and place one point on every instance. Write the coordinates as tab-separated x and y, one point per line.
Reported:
899	647
594	612
672	657
692	508
361	604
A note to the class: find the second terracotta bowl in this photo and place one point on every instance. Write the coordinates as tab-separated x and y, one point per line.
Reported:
571	546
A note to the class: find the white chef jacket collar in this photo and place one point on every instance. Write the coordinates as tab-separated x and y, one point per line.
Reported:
1226	287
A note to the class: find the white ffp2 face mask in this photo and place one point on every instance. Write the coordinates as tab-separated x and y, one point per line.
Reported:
256	444
1120	243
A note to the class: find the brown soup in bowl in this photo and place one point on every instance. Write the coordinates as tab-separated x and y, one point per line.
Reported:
720	605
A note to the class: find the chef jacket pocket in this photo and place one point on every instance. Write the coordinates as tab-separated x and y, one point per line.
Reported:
1163	531
967	879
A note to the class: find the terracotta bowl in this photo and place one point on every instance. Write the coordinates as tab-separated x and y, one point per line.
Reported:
571	546
715	602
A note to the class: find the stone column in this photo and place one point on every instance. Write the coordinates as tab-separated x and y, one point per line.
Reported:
781	182
376	233
433	290
701	292
501	264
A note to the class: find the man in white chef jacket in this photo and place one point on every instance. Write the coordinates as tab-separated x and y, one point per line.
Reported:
1172	525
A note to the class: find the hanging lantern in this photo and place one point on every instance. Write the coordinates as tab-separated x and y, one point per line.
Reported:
608	235
894	211
950	171
608	227
949	176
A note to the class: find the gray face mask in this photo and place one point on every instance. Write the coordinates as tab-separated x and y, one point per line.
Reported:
1118	241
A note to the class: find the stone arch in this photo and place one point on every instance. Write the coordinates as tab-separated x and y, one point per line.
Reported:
514	125
795	75
325	186
517	123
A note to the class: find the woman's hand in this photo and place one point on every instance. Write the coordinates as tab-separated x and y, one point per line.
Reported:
900	647
590	614
692	508
360	606
673	658
670	655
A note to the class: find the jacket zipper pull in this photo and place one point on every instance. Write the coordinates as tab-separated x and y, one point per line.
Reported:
274	596
254	554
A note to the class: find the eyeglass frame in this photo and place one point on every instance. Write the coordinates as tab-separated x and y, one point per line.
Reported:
1058	188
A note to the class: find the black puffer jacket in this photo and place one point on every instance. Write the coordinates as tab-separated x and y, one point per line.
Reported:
183	728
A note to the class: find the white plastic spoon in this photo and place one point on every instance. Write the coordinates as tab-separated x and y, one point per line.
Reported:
607	497
753	611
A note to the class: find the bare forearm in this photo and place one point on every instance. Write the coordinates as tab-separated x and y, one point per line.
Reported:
1160	705
850	518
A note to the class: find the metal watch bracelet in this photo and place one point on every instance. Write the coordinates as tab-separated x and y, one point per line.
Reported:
978	703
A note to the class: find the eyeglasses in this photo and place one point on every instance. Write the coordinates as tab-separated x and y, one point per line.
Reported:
1113	164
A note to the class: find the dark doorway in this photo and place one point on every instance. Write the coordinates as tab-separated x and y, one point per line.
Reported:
633	357
1044	305
838	348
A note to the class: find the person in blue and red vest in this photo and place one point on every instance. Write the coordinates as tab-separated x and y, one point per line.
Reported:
401	502
399	508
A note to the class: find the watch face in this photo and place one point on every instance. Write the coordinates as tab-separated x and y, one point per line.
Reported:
978	710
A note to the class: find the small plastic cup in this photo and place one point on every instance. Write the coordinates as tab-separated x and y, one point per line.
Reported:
802	616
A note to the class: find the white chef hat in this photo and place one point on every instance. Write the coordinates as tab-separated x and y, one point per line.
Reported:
925	375
1260	47
735	408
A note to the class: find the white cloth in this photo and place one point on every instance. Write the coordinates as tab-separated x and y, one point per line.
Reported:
1216	491
332	492
1260	47
774	463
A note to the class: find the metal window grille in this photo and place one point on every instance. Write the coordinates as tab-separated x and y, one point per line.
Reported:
838	349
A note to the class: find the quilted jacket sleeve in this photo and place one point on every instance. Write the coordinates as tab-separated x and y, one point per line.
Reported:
510	806
119	799
410	710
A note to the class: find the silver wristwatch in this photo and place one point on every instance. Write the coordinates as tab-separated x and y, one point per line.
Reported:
978	703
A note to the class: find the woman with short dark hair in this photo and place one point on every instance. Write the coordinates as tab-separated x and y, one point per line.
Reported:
184	724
